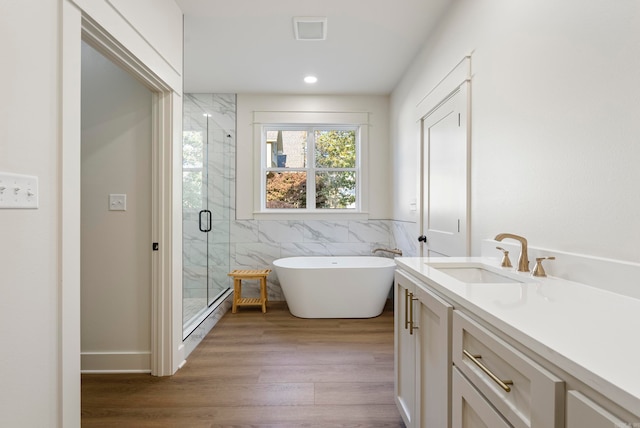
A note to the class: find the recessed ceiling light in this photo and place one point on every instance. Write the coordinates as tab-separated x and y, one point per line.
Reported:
310	79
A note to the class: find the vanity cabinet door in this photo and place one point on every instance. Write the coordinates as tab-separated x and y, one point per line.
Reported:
422	355
470	409
584	413
433	358
404	350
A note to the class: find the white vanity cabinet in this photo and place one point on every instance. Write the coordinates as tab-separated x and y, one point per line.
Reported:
464	359
422	355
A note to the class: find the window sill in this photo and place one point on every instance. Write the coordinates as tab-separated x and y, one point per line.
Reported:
324	215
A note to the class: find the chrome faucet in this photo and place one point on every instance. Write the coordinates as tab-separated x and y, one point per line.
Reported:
394	251
523	260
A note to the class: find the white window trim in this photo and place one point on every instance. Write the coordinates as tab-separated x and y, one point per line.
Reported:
272	118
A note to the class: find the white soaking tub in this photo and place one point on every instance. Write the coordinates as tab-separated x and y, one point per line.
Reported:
335	287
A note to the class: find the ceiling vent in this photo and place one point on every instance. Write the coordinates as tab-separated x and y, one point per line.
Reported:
310	28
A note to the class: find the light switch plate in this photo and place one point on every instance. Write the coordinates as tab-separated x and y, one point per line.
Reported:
117	202
18	191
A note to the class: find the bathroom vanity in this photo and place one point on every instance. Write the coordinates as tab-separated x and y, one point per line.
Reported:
477	345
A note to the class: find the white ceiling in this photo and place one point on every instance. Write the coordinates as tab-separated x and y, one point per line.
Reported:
248	46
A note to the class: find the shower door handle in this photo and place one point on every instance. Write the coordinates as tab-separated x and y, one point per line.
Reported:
206	228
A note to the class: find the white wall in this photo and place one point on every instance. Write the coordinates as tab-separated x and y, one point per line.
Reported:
29	238
34	330
116	245
378	158
555	110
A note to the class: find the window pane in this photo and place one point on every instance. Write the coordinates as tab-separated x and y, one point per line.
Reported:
336	189
192	189
286	189
335	149
192	149
192	163
286	149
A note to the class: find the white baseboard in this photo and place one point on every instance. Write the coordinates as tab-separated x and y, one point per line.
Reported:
180	356
115	362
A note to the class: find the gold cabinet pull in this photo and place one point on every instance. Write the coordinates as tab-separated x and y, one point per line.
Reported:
412	325
406	309
504	384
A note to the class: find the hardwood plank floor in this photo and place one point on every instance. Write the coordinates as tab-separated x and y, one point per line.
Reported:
262	370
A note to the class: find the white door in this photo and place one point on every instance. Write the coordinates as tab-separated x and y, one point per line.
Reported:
444	171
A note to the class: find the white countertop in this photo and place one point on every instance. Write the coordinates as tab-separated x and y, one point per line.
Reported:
591	333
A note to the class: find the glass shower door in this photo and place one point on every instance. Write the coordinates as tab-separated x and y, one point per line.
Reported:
196	215
218	198
208	164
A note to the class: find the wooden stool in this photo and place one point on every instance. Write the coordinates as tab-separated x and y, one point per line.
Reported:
238	275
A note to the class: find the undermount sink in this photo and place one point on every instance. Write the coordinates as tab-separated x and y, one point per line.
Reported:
475	274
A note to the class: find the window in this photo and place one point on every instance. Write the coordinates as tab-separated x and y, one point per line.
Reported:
310	167
192	169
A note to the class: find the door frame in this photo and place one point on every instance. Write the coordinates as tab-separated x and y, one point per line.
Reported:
456	80
76	26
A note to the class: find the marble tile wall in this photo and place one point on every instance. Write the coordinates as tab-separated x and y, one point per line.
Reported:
255	244
405	235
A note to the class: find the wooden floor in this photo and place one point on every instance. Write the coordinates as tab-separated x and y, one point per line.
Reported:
262	370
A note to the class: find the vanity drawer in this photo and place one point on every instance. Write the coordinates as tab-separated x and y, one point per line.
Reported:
469	408
526	394
584	413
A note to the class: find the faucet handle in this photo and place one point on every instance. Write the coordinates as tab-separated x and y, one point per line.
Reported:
505	263
538	270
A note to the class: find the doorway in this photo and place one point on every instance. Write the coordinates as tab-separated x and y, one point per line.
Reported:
166	342
116	200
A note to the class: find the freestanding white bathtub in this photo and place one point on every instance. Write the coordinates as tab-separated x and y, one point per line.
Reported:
335	287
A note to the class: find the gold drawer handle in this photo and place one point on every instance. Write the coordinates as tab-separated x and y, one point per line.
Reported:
504	384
